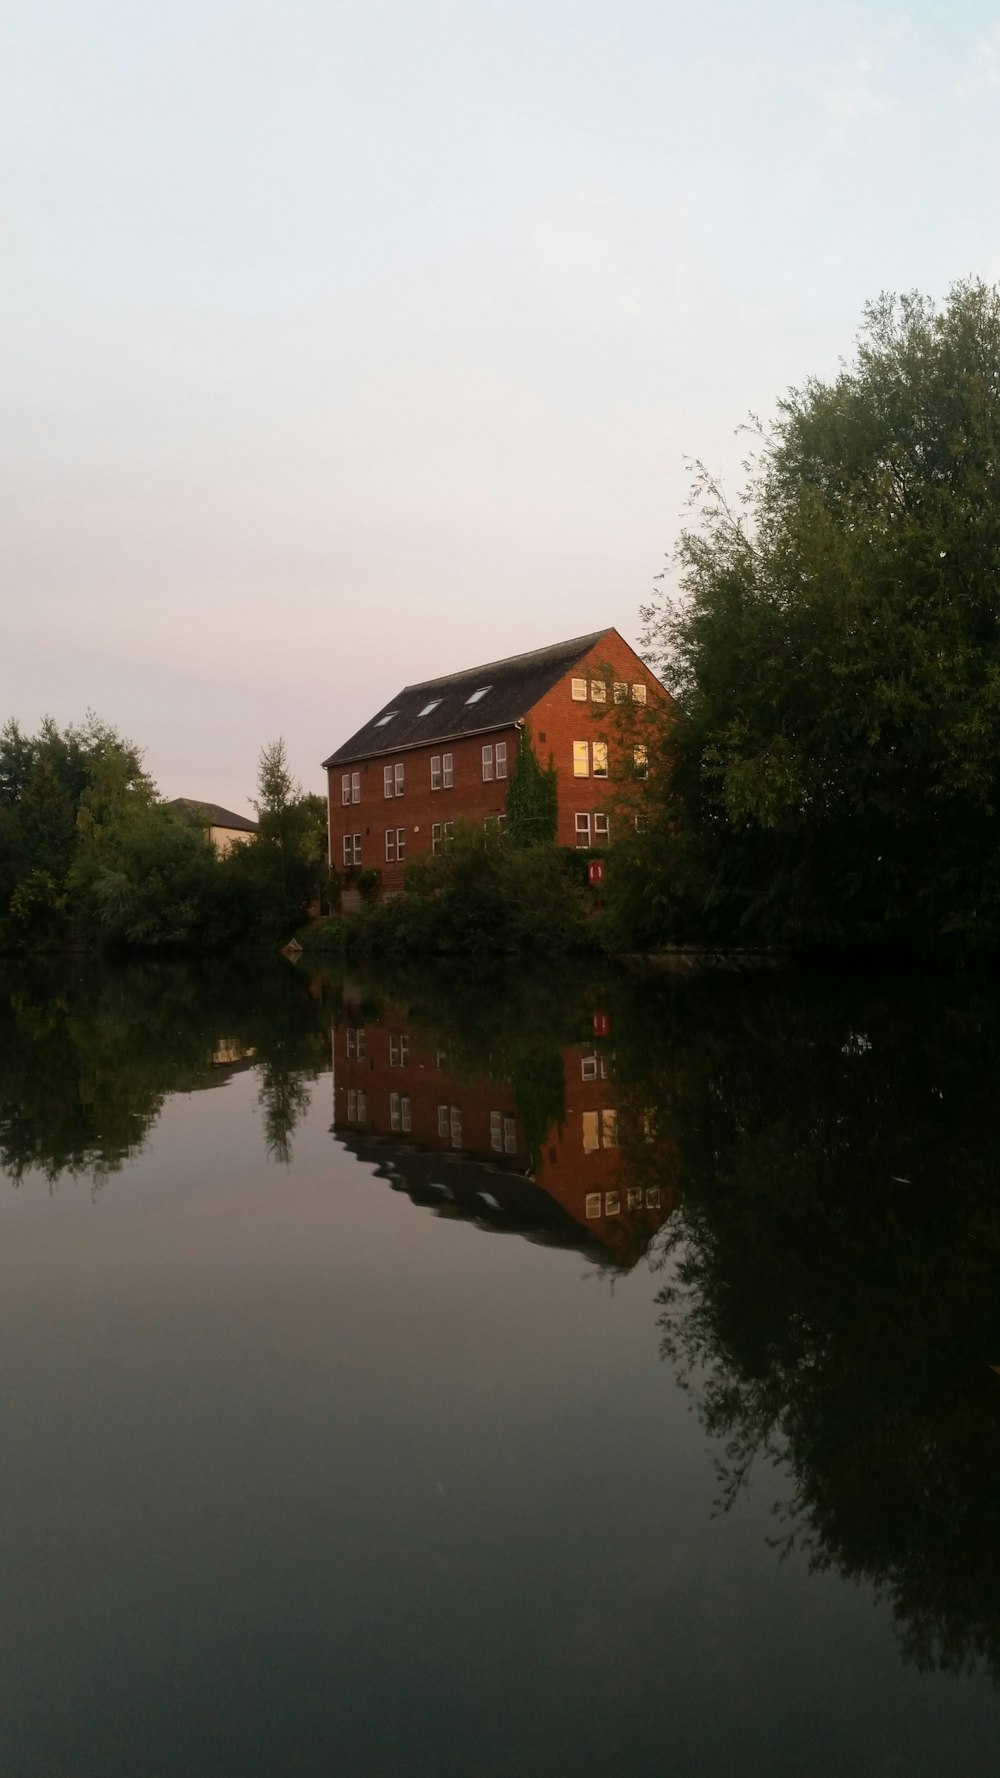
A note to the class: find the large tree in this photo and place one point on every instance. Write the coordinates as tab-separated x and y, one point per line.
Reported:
834	648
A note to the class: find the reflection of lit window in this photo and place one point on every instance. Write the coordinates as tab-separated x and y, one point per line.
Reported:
456	1122
634	1197
399	1049
509	1135
352	1048
588	1067
612	1203
652	1197
442	1120
593	1203
496	1131
609	1128
591	1140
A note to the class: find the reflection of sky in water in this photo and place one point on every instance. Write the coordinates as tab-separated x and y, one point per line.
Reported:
300	1477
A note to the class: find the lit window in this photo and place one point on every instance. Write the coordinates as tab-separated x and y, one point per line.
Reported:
652	1197
481	693
436	771
447	769
600	759
487	764
398	769
620	691
641	758
609	1128
428	707
456	1118
501	759
591	1139
496	1131
442	1120
634	1197
602	826
582	832
387	780
345	788
400	844
579	690
588	1067
509	1136
435	838
598	691
593	1204
386	718
357	848
612	1203
390	845
581	759
639	694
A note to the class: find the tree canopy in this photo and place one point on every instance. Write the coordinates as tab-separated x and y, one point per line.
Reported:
834	649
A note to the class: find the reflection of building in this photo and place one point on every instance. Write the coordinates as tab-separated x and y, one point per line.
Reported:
400	1105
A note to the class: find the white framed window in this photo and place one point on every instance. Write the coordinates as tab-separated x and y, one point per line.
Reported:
588	1067
578	690
386	780
351	1043
395	1120
633	1197
600	752
652	1197
399	1111
509	1136
591	1133
609	1129
352	1105
390	845
345	788
399	1049
357	849
404	1112
481	693
598	691
620	691
400	844
362	1107
435	838
640	756
442	1120
447	829
455	1122
347	849
435	771
602	825
500	752
639	693
398	771
582	832
496	1131
356	1043
581	759
612	1203
487	763
355	787
447	770
352	849
593	1204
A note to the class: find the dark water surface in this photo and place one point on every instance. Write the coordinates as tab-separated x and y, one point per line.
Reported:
473	1377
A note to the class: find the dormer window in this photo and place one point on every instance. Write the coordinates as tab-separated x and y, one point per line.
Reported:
429	707
481	693
386	718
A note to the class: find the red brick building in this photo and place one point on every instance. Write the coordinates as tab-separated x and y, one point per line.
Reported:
443	751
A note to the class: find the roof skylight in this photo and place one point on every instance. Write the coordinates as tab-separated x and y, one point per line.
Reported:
386	718
429	707
481	693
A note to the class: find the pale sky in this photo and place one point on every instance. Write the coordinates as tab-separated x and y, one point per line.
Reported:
347	344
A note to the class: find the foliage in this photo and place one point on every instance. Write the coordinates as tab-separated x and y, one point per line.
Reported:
835	758
532	798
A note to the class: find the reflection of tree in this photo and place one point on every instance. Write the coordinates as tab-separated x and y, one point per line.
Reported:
836	1293
87	1056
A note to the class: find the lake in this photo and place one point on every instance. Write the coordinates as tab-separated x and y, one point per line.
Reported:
476	1375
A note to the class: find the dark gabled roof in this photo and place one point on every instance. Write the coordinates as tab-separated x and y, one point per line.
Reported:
515	686
211	814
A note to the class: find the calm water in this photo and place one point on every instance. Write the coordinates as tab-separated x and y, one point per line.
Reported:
497	1377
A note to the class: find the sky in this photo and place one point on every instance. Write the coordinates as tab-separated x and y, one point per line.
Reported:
344	345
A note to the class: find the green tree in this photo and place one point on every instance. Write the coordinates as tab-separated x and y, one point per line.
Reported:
835	653
532	798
